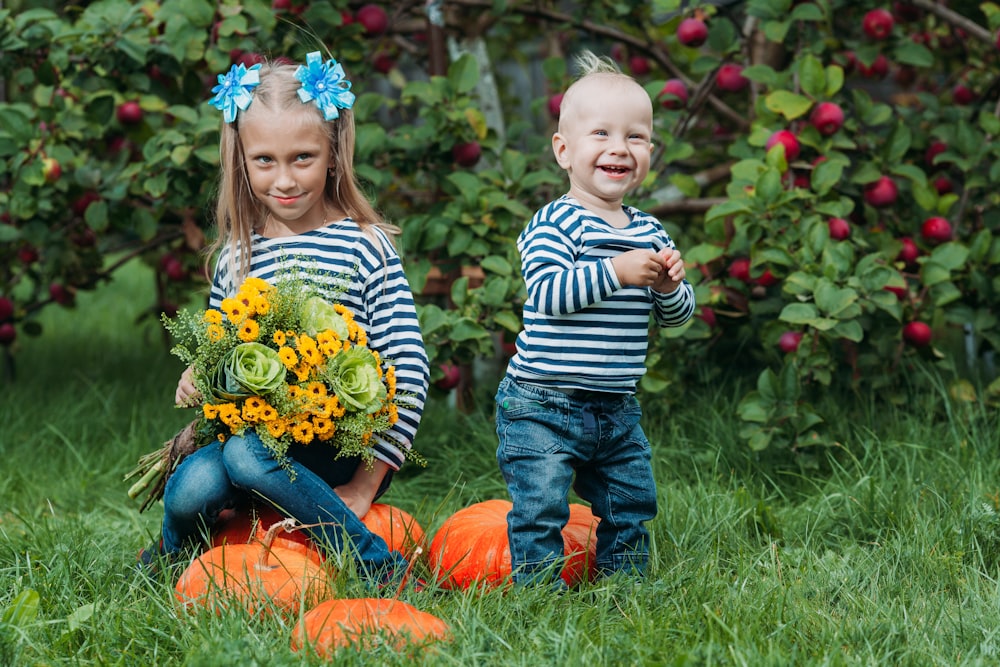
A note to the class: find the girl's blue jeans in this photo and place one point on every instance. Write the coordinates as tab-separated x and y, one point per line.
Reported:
220	476
548	436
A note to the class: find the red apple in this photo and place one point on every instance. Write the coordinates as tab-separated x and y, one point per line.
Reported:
555	104
373	18
707	315
962	95
452	376
943	185
174	268
692	32
877	70
840	229
787	139
900	292
466	154
935	149
789	341
909	252
618	52
51	169
129	113
740	269
639	65
6	309
904	11
674	94
881	192
81	203
766	279
917	333
877	23
383	62
827	117
61	294
27	254
936	230
730	78
346	18
8	334
281	5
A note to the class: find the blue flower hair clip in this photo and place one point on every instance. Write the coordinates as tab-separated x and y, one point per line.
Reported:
232	94
325	84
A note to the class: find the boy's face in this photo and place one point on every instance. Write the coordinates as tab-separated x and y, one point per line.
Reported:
604	139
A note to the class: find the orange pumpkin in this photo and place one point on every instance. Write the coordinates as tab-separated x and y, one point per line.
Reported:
249	525
259	576
471	546
365	623
398	528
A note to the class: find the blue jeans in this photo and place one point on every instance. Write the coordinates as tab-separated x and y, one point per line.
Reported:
545	436
218	477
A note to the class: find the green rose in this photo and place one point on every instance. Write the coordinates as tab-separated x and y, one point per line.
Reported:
353	376
250	369
319	315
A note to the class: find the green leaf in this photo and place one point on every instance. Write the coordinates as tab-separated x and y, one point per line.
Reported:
833	300
96	215
463	74
834	80
497	264
812	76
944	293
788	104
799	313
951	255
849	329
467	329
750	409
908	52
508	320
22	610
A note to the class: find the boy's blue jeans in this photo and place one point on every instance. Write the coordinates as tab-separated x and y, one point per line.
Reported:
547	435
217	477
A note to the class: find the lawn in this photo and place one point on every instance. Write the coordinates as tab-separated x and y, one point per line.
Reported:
885	550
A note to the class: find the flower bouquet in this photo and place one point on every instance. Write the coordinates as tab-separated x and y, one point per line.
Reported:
283	360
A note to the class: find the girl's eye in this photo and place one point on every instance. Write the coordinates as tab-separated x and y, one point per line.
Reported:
263	159
303	156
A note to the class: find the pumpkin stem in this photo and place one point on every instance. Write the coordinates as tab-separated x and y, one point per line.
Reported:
409	568
269	537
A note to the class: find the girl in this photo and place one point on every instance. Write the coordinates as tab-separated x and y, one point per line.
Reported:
289	204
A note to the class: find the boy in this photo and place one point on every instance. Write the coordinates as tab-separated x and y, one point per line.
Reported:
594	270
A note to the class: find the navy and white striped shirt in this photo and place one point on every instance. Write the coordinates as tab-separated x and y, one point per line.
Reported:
582	329
341	255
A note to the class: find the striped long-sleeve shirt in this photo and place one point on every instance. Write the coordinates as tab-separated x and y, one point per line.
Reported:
582	328
340	255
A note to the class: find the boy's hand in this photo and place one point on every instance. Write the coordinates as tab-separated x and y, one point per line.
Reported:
638	268
673	271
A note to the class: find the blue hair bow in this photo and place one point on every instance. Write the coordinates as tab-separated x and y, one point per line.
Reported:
232	93
325	84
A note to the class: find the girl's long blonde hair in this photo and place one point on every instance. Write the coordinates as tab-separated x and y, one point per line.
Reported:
238	212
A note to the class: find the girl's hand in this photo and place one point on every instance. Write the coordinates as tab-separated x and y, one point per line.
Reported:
186	395
359	493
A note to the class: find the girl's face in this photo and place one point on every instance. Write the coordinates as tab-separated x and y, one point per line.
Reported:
604	140
287	156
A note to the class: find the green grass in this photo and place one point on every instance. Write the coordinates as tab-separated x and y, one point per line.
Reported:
885	550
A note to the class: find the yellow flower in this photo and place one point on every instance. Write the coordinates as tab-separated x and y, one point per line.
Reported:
277	427
267	412
278	338
235	310
252	407
294	391
258	284
343	312
390	381
317	390
302	371
212	316
261	305
312	355
249	331
362	337
353	329
210	411
330	347
323	428
393	413
215	333
333	407
288	357
303	432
